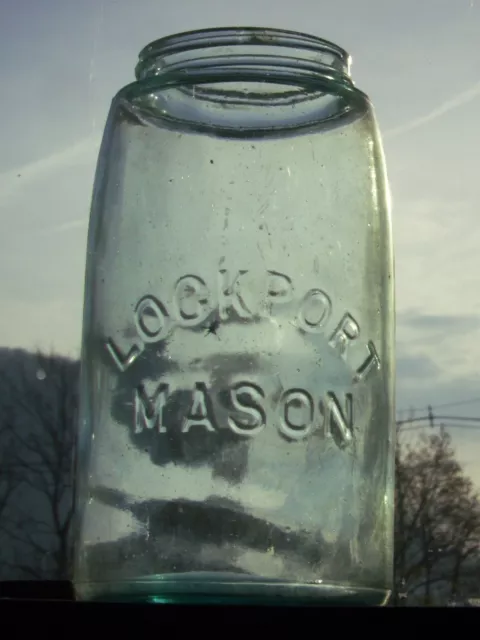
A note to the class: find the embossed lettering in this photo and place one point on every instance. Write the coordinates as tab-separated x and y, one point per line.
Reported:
230	295
198	414
193	303
347	331
297	414
279	288
372	362
151	319
338	423
192	300
123	361
149	411
247	399
296	411
315	310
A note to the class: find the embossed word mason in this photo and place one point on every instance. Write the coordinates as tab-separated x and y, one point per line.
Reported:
193	303
296	414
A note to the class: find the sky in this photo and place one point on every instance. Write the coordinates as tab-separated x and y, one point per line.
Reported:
61	61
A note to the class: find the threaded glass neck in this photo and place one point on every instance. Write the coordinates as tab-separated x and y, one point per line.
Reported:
245	51
243	81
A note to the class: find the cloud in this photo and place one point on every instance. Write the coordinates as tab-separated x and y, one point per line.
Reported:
409	367
438	307
439	322
44	216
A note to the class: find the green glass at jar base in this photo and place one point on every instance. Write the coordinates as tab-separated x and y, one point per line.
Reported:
212	590
236	434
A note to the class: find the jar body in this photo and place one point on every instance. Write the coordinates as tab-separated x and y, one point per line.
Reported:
236	424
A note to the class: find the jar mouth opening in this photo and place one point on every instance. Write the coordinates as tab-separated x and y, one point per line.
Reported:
244	81
267	41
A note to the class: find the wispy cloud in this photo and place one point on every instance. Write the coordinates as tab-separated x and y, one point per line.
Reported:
65	226
13	181
458	101
414	367
439	323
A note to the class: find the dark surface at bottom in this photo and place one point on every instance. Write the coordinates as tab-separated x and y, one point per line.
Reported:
37	590
60	618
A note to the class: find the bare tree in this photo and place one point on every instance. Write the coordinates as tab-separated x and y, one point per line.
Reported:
8	479
7	475
437	533
8	482
41	402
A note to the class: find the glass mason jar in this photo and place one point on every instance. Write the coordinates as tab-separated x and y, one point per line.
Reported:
236	431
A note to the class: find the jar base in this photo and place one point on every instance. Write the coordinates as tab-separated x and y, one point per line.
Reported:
211	588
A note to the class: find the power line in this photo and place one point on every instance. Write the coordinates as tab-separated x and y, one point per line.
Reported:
430	417
449	425
455	422
444	405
